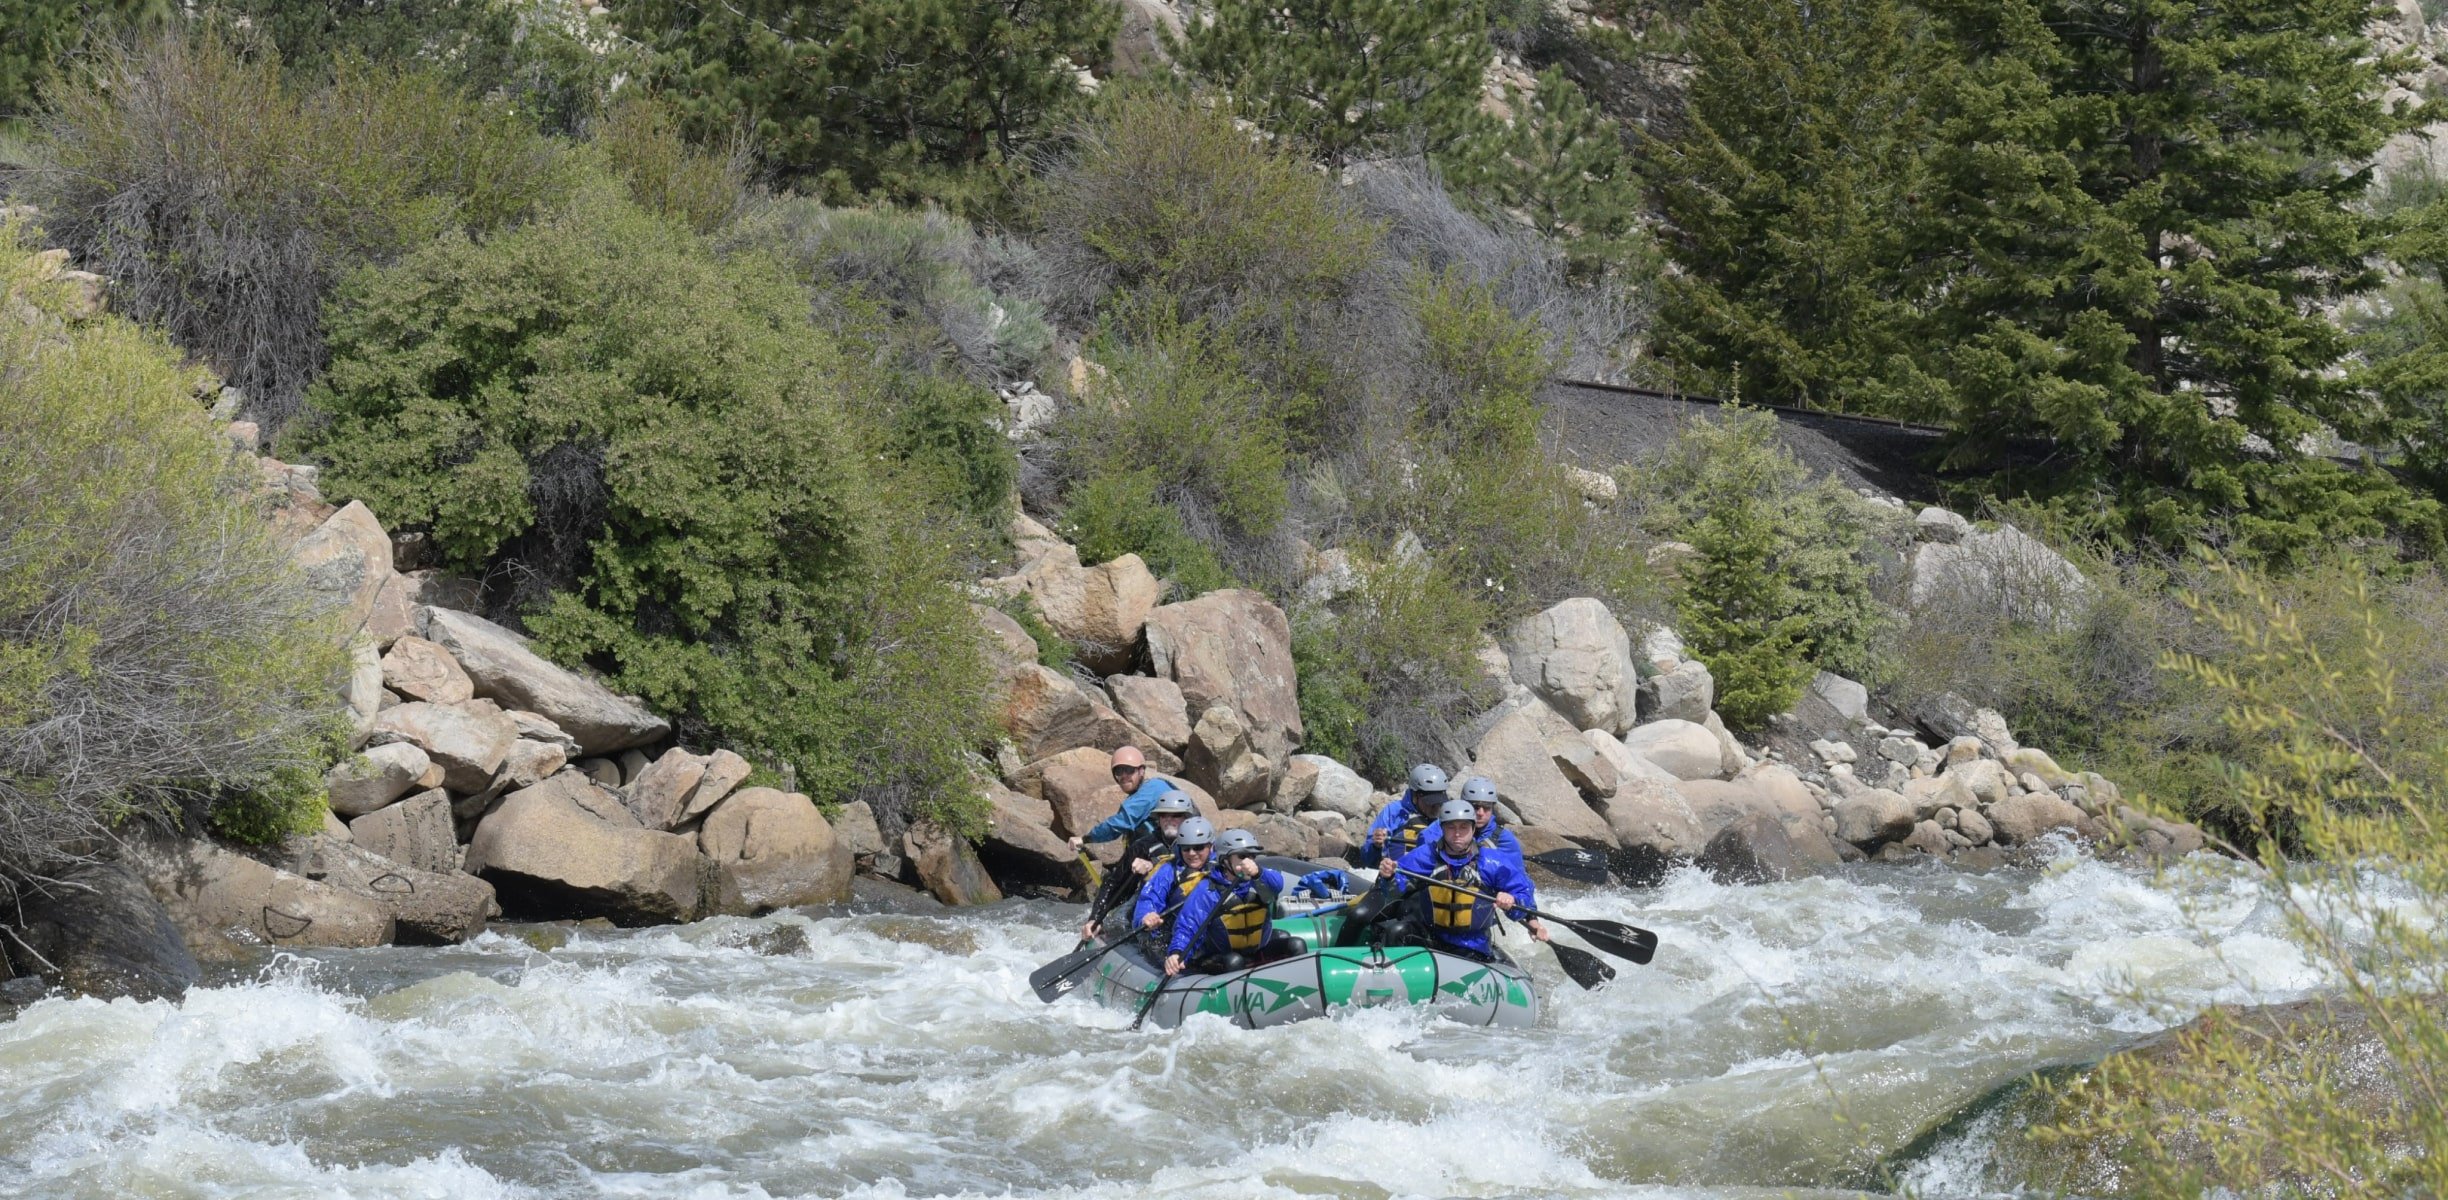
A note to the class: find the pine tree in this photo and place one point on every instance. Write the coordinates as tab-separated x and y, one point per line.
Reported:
1739	611
1562	165
1791	199
1348	77
874	95
2145	220
44	35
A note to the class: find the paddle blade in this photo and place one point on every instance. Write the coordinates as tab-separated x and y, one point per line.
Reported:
1058	978
1629	942
1581	966
1577	865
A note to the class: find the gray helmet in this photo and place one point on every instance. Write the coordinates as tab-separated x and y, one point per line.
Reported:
1479	790
1197	831
1428	777
1175	803
1457	809
1236	841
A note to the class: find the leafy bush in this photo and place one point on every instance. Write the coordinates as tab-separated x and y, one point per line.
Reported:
1738	608
648	448
46	35
1396	677
946	432
158	653
1164	197
1827	547
642	145
1118	512
224	204
855	97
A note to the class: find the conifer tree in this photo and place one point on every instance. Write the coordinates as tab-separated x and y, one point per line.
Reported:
2146	215
873	95
1790	198
44	35
1739	612
1561	164
1348	77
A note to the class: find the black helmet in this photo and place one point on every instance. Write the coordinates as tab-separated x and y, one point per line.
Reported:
1195	832
1175	803
1236	841
1428	778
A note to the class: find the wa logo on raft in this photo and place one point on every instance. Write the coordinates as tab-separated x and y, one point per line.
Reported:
1259	997
1485	986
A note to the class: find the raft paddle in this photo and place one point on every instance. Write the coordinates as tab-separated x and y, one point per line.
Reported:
1580	966
1628	942
1053	981
1575	864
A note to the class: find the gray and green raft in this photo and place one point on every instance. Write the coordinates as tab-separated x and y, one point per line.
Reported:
1323	980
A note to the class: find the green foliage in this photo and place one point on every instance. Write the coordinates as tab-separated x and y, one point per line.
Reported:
859	97
1164	197
223	203
549	61
1334	697
158	654
1396	676
1053	650
1791	192
945	431
642	145
654	442
45	36
1347	77
2352	852
289	797
1562	165
1787	565
1118	512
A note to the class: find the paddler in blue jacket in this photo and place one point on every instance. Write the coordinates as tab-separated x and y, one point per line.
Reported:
1229	921
1410	821
1145	853
1481	793
1173	881
1141	789
1445	914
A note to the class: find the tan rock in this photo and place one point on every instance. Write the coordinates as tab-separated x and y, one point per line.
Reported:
1008	646
529	763
724	771
660	794
1983	778
428	907
1232	647
1581	763
215	895
857	829
1514	753
1045	713
1974	826
2025	818
346	560
1155	706
548	856
374	777
777	848
468	741
2034	761
1874	818
505	669
1280	833
420	670
1578	659
1682	749
363	692
1222	759
1655	824
1020	847
415	832
536	727
1338	789
1100	610
947	867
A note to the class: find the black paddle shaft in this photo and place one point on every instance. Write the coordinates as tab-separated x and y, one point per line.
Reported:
1628	942
1052	984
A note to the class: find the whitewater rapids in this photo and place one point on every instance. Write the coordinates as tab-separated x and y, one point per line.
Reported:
1788	1037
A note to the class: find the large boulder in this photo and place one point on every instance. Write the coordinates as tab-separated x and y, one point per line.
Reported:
946	867
551	854
2032	759
1874	818
1232	647
1578	659
420	670
376	776
1339	789
1076	784
1156	706
528	764
1514	753
428	907
505	669
362	692
1100	610
661	792
1008	646
347	559
1020	846
1223	759
1288	836
1774	793
1654	827
1752	849
1983	778
777	849
1628	766
1682	749
416	832
2004	571
1045	712
2020	819
1592	772
724	772
1686	693
97	930
1832	706
217	895
468	741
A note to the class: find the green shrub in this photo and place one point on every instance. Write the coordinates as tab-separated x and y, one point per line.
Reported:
1397	651
1738	609
641	142
1334	698
1118	512
1162	196
859	97
45	36
653	443
1345	77
158	653
947	433
224	204
1053	650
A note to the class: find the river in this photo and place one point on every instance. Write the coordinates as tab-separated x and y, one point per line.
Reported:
1787	1037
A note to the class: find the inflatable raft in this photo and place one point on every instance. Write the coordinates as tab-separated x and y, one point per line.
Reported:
1326	978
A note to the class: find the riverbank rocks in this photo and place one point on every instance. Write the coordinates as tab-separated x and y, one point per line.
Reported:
427	907
216	895
2025	818
420	670
1577	657
946	867
504	669
468	741
1223	758
1100	610
1020	844
1683	749
1832	706
777	849
1155	706
660	793
1339	789
100	932
1232	647
1045	712
1515	754
378	775
549	855
415	832
1654	827
347	560
1685	693
1874	818
2005	571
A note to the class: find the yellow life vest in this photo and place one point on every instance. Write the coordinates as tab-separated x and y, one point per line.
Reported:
1244	917
1415	827
1184	882
1451	908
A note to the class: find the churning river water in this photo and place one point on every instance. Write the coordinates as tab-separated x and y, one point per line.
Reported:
1787	1039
